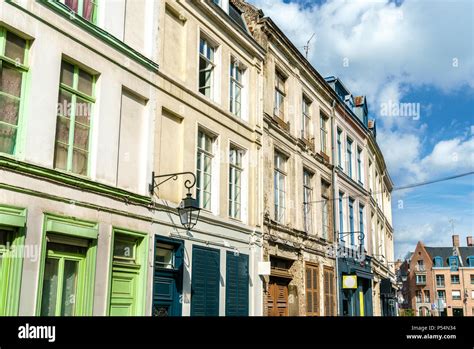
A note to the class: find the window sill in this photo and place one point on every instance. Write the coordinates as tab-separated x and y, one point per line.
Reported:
98	32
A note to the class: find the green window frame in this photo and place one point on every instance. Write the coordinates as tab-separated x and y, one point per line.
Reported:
14	52
80	8
74	119
81	235
12	237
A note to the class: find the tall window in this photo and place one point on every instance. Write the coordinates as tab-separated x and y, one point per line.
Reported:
205	155
439	280
325	196
324	133
307	195
351	220
279	180
361	223
442	295
236	86
235	182
306	118
312	290
419	297
360	177
75	101
349	157
453	263
13	70
280	93
339	147
455	279
87	9
206	67
371	184
341	216
427	296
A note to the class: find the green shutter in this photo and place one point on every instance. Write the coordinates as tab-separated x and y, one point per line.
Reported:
205	282
237	285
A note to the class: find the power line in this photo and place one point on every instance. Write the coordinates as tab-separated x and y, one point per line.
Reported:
414	185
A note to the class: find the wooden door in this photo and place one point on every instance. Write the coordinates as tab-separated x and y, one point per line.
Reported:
277	298
312	290
124	293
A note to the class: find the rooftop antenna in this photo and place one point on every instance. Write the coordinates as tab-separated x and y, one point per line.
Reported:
306	47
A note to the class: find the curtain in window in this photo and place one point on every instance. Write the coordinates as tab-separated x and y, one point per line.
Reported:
88	9
72	4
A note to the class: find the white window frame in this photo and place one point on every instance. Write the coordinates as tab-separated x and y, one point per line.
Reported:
306	117
236	81
201	155
280	95
324	132
236	167
279	182
307	198
204	44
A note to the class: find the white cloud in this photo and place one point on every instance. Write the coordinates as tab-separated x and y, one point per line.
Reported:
451	155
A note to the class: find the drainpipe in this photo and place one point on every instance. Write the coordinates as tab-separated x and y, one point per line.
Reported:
333	178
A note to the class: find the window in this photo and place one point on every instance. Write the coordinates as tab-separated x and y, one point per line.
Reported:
235	182
124	249
441	295
206	67
360	168
439	280
421	279
87	9
470	261
351	220
280	93
325	196
307	197
312	290
472	279
324	133
279	180
456	295
453	263
455	279
349	157
418	296
341	216
13	70
339	147
236	86
420	265
438	262
329	292
371	184
361	222
75	102
64	279
165	256
427	296
205	155
306	119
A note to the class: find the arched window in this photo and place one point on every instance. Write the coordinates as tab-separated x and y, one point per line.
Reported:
453	263
438	262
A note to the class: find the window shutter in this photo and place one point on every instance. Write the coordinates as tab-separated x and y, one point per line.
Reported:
205	282
237	285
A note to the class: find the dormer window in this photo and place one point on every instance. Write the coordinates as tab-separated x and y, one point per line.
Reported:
453	263
470	261
438	262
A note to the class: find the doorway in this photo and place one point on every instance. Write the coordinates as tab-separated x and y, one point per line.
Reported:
458	312
277	297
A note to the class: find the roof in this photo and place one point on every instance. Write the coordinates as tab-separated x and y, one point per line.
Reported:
446	252
236	16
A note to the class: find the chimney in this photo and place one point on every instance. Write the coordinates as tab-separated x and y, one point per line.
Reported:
455	240
469	241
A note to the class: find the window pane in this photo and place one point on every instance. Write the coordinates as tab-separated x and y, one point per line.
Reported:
60	157
9	110
79	162
81	136
124	248
72	4
62	130
15	47
50	287
164	257
67	73
85	83
7	139
88	9
69	288
10	80
64	103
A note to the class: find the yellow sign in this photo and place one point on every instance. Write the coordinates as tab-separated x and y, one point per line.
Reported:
349	281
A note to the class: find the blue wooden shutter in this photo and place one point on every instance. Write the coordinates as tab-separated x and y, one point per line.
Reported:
237	285
205	282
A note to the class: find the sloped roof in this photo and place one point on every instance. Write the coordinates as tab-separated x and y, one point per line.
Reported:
446	252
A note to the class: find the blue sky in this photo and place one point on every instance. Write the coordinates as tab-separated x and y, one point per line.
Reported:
410	51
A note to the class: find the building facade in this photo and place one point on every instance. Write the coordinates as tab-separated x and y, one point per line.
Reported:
99	97
440	280
96	96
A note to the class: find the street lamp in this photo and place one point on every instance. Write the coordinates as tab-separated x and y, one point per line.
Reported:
188	208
